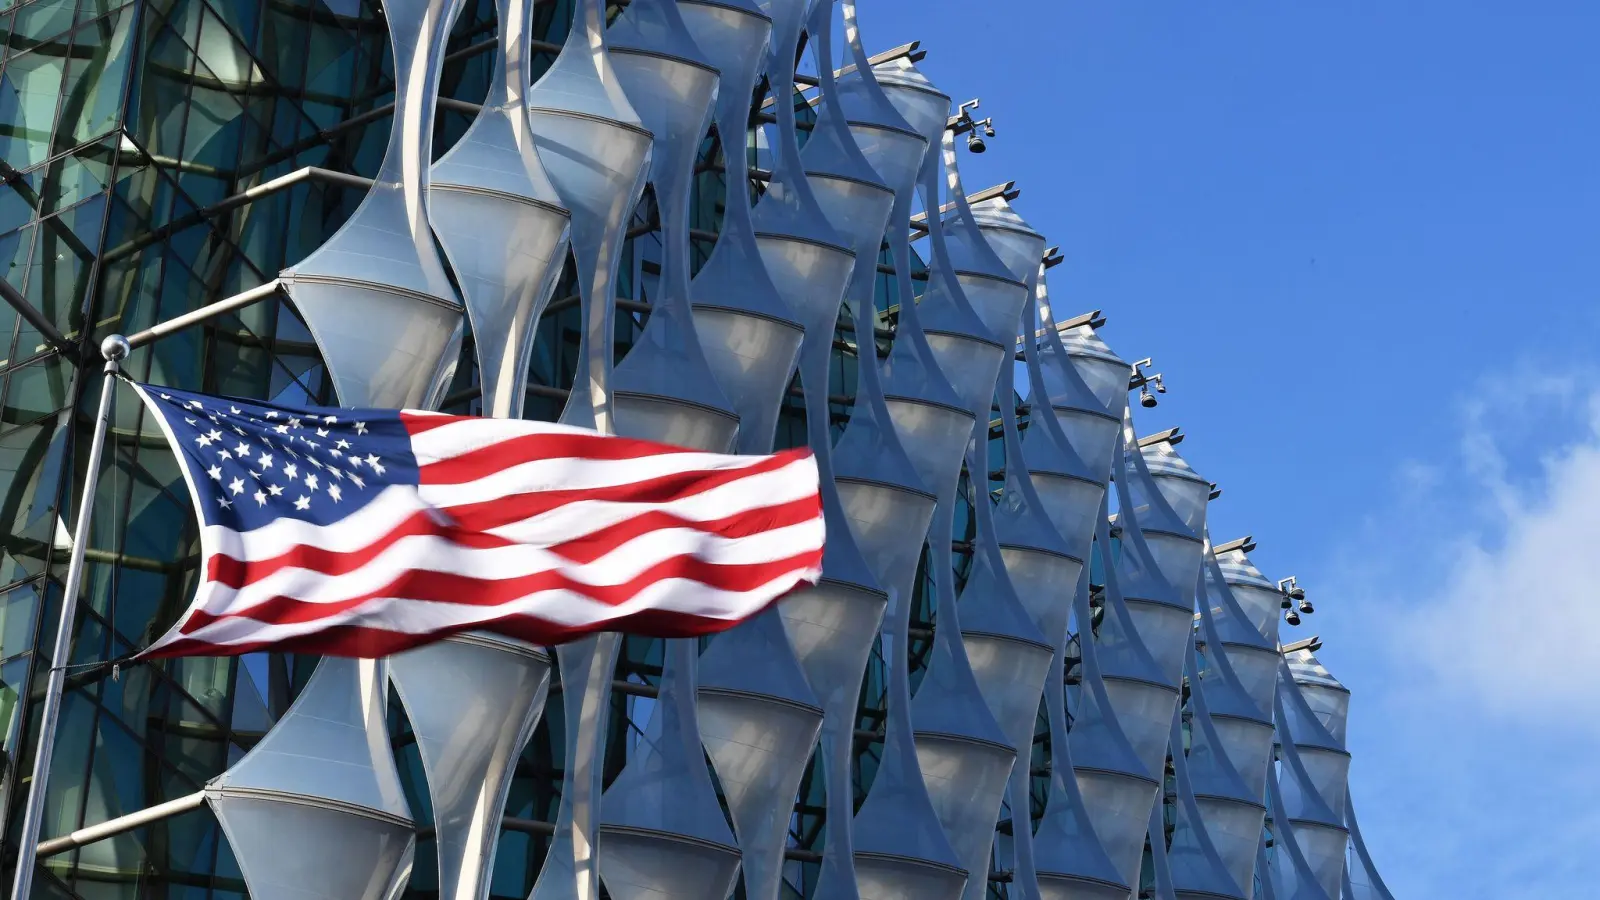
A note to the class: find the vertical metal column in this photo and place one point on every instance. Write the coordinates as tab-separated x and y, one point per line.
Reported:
115	349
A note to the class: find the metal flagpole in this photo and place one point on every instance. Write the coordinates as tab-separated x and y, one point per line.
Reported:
115	349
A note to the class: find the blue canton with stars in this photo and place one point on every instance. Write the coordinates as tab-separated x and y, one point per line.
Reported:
252	462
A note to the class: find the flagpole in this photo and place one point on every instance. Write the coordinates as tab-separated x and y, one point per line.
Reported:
115	349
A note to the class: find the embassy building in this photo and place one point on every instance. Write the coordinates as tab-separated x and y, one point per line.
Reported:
1057	686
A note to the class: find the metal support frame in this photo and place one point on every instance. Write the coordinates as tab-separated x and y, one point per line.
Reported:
121	824
227	204
1170	436
1092	319
1008	190
1313	643
1246	544
211	310
909	51
35	318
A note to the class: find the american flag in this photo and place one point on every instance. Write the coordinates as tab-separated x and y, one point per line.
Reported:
364	532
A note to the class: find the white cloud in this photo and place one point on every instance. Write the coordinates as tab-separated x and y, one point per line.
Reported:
1514	619
1465	617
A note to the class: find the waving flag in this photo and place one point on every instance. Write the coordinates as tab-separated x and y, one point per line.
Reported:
364	532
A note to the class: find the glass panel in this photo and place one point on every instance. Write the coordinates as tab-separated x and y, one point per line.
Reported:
215	115
90	9
243	19
71	179
160	558
19	608
69	767
8	327
117	785
101	52
38	22
14	250
30	469
134	207
64	255
12	677
18	199
29	89
189	739
158	106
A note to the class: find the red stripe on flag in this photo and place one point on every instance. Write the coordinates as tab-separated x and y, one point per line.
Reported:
461	590
490	514
231	572
369	643
236	573
503	454
416	423
590	547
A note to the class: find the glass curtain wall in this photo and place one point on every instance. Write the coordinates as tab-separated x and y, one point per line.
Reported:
125	129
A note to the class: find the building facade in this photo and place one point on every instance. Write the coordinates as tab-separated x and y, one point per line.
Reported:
674	220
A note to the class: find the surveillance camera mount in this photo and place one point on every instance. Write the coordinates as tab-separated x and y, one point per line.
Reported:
963	123
1142	379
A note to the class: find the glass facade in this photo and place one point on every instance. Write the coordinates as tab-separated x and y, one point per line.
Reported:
144	149
126	130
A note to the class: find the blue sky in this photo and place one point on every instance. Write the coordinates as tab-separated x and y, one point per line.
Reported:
1359	238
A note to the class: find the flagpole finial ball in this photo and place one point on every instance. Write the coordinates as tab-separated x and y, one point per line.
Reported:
115	348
